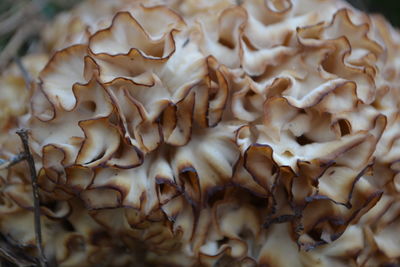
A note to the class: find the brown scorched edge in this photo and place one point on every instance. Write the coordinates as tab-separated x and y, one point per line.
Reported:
207	133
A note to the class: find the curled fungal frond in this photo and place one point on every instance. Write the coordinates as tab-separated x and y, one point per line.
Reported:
217	132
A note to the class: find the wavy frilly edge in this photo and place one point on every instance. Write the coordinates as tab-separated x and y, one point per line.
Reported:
210	139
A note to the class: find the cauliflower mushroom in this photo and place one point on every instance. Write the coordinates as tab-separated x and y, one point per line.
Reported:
200	133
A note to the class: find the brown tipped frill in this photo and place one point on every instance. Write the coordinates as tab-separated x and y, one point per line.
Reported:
255	133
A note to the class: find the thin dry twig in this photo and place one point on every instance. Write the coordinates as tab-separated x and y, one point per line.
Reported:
14	160
25	74
23	134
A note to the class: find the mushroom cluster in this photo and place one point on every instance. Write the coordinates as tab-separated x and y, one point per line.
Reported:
211	133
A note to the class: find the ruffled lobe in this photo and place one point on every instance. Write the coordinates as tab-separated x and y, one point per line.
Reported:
213	135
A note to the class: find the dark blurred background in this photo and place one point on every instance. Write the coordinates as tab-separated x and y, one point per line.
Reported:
389	8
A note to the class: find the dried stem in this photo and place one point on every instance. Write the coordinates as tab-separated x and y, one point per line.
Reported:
24	72
14	160
23	134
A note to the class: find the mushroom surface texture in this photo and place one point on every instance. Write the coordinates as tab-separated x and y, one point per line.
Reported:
208	133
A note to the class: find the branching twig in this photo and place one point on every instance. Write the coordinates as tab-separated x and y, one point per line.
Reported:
14	160
23	134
